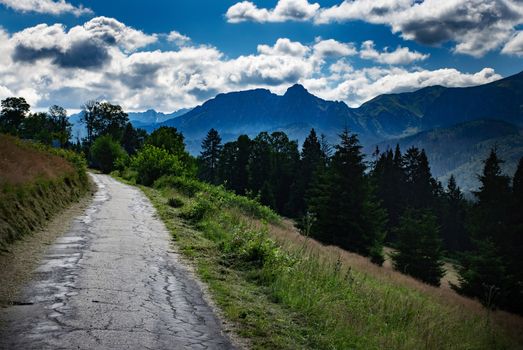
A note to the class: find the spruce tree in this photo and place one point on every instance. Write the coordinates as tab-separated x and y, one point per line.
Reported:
347	213
453	229
209	157
419	251
388	176
486	266
260	166
311	160
418	179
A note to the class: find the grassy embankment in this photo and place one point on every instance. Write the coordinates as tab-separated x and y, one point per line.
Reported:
36	182
284	291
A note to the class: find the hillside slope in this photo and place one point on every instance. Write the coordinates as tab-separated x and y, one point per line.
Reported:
437	106
35	183
461	149
283	290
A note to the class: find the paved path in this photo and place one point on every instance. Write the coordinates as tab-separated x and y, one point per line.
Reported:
112	283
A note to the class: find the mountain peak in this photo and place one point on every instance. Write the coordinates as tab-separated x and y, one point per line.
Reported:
297	89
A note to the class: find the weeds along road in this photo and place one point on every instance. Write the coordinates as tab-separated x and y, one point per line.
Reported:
112	282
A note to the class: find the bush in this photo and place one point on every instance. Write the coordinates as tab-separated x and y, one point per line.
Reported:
152	162
201	206
186	185
105	152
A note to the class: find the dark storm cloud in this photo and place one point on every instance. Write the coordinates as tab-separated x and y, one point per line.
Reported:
86	54
140	76
471	17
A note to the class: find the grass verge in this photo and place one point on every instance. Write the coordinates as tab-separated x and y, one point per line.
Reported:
36	182
287	293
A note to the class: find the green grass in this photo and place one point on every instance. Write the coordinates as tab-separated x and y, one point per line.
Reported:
295	298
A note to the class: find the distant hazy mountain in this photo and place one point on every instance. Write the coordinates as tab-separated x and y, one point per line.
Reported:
151	117
461	149
147	119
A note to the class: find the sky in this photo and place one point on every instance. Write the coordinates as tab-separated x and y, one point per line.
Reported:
173	54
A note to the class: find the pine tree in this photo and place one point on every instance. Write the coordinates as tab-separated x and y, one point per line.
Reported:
486	266
418	179
453	231
347	212
209	156
311	160
285	159
419	252
388	176
260	165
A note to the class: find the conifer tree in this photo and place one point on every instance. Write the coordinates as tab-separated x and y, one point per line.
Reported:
418	179
311	160
453	229
419	252
209	156
347	213
260	166
486	266
388	176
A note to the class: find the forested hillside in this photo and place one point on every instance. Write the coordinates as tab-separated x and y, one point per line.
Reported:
459	150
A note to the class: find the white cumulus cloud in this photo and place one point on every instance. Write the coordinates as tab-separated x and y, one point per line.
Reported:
105	59
285	10
46	6
474	26
400	56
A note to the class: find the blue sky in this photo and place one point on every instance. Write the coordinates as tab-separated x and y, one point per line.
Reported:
67	52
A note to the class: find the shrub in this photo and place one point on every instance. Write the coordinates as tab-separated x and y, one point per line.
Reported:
198	208
105	152
152	162
186	185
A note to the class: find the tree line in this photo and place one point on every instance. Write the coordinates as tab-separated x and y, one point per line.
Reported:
334	194
394	200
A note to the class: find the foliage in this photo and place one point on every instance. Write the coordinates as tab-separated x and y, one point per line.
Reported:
209	157
106	152
14	110
419	251
347	213
169	139
152	162
103	118
133	139
287	297
494	263
43	127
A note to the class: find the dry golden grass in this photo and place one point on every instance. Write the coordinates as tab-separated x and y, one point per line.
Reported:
288	235
20	164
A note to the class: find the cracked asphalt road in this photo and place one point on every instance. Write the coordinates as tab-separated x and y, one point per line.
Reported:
112	282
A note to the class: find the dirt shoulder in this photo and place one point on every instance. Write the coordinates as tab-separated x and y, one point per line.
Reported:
18	263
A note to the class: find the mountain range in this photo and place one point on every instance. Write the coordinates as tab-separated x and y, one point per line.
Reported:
456	126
